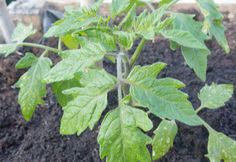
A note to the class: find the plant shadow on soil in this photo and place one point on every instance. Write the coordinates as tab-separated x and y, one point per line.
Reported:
39	139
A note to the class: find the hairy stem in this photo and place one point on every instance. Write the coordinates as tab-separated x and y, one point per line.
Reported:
137	52
119	76
39	46
126	66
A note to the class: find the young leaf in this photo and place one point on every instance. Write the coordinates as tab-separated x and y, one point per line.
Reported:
7	49
125	39
120	137
183	38
32	89
26	61
75	61
59	87
162	97
164	138
221	147
119	6
21	32
213	22
90	101
215	96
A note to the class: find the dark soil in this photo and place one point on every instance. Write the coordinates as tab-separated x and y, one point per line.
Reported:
39	139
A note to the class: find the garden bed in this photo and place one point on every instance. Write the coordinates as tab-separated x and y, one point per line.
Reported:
39	139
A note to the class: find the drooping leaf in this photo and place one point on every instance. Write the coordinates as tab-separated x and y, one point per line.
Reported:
195	58
26	61
32	87
21	32
215	96
75	61
162	97
125	39
164	138
59	87
7	49
221	147
213	22
120	137
119	6
184	38
86	108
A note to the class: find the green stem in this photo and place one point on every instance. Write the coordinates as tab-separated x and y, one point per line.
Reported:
199	109
44	53
39	46
125	61
137	52
119	76
59	47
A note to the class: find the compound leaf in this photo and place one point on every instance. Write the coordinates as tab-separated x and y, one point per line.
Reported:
75	61
215	96
89	102
162	97
32	87
164	138
120	137
221	147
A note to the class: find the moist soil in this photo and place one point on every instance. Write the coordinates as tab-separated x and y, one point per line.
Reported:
39	139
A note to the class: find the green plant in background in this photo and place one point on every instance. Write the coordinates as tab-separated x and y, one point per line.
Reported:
81	84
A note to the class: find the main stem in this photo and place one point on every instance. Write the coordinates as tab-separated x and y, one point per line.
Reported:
39	46
119	76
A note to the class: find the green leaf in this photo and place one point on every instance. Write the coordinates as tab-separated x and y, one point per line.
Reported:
162	97
184	38
21	32
119	6
105	39
75	61
164	138
195	58
164	2
26	61
32	88
70	41
7	49
90	101
69	24
59	87
221	147
215	96
120	137
213	23
125	39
